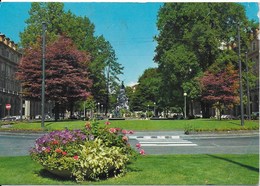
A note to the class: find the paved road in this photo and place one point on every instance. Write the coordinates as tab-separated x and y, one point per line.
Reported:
211	145
154	143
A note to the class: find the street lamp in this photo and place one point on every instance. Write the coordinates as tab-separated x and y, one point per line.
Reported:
154	108
98	107
44	25
248	92
185	94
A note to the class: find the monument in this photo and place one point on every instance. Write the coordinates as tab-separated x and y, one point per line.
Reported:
122	101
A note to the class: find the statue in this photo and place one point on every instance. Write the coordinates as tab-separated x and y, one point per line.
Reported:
122	101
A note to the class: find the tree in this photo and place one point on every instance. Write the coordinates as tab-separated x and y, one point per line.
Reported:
82	31
66	73
220	88
147	91
190	36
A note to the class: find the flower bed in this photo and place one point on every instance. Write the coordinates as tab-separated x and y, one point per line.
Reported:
97	152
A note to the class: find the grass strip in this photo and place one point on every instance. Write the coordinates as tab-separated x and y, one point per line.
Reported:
147	125
149	170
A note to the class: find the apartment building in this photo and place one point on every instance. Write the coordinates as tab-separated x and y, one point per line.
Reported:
9	86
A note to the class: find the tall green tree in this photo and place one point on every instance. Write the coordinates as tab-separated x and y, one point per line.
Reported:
147	91
189	41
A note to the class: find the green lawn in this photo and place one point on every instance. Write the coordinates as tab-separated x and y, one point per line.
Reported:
149	170
163	125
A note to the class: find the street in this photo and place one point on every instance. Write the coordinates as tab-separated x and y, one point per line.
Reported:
210	145
154	143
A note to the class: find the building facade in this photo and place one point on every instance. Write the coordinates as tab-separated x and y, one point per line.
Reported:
9	86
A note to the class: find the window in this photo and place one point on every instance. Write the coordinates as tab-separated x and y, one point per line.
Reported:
253	46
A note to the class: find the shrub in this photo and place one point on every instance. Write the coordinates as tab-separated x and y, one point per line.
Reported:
93	153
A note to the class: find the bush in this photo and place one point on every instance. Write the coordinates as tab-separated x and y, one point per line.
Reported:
93	153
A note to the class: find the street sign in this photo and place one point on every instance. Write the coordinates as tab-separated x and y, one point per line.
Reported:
8	106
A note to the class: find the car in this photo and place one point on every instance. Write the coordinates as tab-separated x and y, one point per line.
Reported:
9	118
17	118
227	117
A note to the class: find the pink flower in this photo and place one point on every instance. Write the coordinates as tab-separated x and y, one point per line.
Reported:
124	138
124	131
64	153
118	129
76	157
112	130
142	152
138	145
130	132
107	123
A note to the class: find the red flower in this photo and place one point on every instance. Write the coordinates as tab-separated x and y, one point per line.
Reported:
138	145
76	157
142	152
118	129
58	150
107	123
47	150
124	131
112	130
55	142
64	153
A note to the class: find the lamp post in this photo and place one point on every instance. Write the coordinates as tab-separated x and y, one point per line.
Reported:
43	72
184	94
98	107
154	108
247	91
240	78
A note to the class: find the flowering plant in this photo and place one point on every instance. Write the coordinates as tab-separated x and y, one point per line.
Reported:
91	153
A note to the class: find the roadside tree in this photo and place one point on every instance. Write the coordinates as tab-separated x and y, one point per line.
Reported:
82	32
67	78
190	39
220	88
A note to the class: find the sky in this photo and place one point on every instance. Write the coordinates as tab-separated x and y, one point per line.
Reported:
129	27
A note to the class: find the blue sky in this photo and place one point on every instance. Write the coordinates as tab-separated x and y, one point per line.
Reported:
129	27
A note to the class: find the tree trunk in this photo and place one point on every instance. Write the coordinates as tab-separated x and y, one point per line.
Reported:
205	110
56	111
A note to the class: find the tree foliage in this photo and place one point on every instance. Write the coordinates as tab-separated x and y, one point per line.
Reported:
82	31
67	74
147	91
189	42
220	88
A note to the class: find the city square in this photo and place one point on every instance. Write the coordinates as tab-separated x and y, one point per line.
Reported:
106	93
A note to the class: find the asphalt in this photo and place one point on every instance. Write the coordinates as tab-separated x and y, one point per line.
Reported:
19	143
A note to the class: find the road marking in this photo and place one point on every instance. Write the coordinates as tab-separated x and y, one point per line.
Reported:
162	141
154	137
167	145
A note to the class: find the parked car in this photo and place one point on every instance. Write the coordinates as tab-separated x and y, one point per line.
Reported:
9	118
17	118
227	117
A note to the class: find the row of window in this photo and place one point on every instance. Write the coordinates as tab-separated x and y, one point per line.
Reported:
9	85
7	70
9	54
